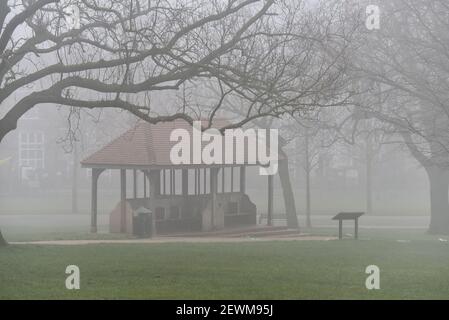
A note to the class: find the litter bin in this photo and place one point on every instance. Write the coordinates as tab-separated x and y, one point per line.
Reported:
142	223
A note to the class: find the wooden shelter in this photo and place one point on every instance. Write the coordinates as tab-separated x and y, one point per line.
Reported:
182	198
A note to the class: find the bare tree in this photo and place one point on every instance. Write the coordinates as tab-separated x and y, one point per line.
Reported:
125	48
408	58
316	134
310	144
120	51
311	75
370	136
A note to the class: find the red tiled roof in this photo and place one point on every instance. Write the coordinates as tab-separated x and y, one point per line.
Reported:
144	145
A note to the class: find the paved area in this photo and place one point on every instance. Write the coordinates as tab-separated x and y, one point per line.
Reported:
179	240
36	227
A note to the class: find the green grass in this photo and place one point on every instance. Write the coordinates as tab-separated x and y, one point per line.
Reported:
252	270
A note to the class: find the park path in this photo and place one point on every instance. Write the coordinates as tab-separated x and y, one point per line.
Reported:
39	226
177	240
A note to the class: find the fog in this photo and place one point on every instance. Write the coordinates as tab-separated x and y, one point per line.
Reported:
335	164
251	130
53	193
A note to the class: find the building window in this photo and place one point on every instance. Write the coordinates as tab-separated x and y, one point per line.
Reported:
31	149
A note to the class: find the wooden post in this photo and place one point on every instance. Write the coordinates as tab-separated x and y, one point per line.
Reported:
155	183
144	184
356	227
174	181
232	179
204	181
171	181
223	179
122	200
270	201
213	191
242	179
196	181
135	183
199	181
185	182
340	229
94	201
164	182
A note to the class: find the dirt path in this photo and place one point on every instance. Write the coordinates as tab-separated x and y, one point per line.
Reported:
176	240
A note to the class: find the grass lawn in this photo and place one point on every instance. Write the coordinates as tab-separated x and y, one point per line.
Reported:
418	269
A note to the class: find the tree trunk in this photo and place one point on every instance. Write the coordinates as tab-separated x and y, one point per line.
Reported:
2	240
3	133
308	201
298	164
289	199
438	182
307	171
439	202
